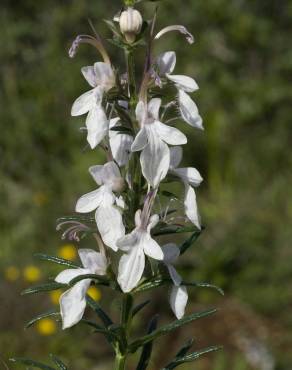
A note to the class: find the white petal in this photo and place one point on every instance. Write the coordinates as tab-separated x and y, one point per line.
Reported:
138	217
170	134
175	277
153	221
121	148
127	242
90	201
141	112
66	276
105	76
83	104
166	62
191	207
89	75
152	248
93	261
110	173
96	173
171	252
110	225
189	174
73	303
189	111
97	126
120	202
176	154
184	83
131	267
140	141
113	123
178	300
153	108
155	160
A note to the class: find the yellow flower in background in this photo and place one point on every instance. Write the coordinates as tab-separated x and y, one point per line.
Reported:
94	293
32	273
55	296
68	252
46	327
11	273
40	198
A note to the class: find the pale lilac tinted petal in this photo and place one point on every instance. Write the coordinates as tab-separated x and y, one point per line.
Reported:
189	111
170	135
153	108
89	75
90	201
175	277
110	225
93	261
141	112
131	269
178	300
189	174
153	221
140	141
138	217
152	248
128	241
155	160
66	276
166	62
110	173
184	83
176	154
96	173
97	126
171	253
83	104
105	76
121	147
73	303
191	208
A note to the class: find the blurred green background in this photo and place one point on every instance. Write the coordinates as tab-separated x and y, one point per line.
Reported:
242	60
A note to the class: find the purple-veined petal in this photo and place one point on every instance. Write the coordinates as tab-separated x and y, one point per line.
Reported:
151	247
153	108
166	62
189	174
73	303
191	208
89	75
184	83
93	261
170	135
140	141
178	300
131	267
154	159
189	110
90	201
110	225
176	154
83	104
97	126
64	277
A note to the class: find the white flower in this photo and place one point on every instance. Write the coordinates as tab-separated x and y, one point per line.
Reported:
108	216
188	109
73	302
190	177
179	294
136	244
152	139
102	78
120	144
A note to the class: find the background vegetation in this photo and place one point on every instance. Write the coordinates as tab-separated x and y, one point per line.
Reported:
242	61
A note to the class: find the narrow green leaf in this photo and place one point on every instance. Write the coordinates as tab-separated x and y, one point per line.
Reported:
147	348
204	285
189	242
169	328
139	307
126	311
28	362
185	348
100	312
58	260
122	130
51	313
80	218
173	229
99	280
58	362
43	288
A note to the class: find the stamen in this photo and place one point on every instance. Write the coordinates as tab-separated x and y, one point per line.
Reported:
189	37
87	39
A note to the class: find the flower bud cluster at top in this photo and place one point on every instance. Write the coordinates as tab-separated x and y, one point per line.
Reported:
136	130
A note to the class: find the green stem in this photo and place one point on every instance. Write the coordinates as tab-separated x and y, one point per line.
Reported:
120	362
131	79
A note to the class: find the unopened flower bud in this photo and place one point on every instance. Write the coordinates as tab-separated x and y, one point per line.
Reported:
130	24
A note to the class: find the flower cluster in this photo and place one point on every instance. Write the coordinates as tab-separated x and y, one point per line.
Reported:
134	127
